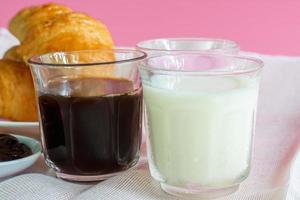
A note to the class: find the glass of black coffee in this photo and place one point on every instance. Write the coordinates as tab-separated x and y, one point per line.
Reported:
90	111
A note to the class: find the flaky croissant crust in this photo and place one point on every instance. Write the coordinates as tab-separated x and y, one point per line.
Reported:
43	29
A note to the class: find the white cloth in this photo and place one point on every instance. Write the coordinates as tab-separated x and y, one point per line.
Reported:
278	127
6	41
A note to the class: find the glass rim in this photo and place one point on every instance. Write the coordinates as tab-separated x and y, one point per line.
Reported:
141	55
232	44
259	64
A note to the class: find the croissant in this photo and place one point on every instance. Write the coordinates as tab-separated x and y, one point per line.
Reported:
27	18
40	30
65	32
11	54
17	97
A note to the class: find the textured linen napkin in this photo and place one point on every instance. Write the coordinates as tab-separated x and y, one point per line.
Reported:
135	184
278	127
6	41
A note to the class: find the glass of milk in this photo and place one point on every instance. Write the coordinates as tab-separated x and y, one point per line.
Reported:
201	110
161	46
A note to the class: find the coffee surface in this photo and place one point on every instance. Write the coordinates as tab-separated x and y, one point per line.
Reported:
92	131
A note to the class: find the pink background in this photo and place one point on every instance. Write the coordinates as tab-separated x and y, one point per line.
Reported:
265	26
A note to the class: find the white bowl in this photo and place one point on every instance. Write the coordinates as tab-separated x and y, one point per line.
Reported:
24	128
8	168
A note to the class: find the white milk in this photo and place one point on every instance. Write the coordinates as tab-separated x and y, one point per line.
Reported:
200	128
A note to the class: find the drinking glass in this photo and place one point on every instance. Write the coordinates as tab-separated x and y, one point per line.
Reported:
176	45
90	111
201	110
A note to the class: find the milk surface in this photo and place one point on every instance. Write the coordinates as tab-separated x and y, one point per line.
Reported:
200	128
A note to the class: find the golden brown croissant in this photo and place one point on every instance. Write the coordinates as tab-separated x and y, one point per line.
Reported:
66	32
17	98
44	29
27	18
11	54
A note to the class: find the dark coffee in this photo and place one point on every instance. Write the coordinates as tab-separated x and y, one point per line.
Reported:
88	131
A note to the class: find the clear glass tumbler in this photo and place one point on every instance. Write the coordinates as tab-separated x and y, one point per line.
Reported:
90	111
162	46
176	45
201	112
